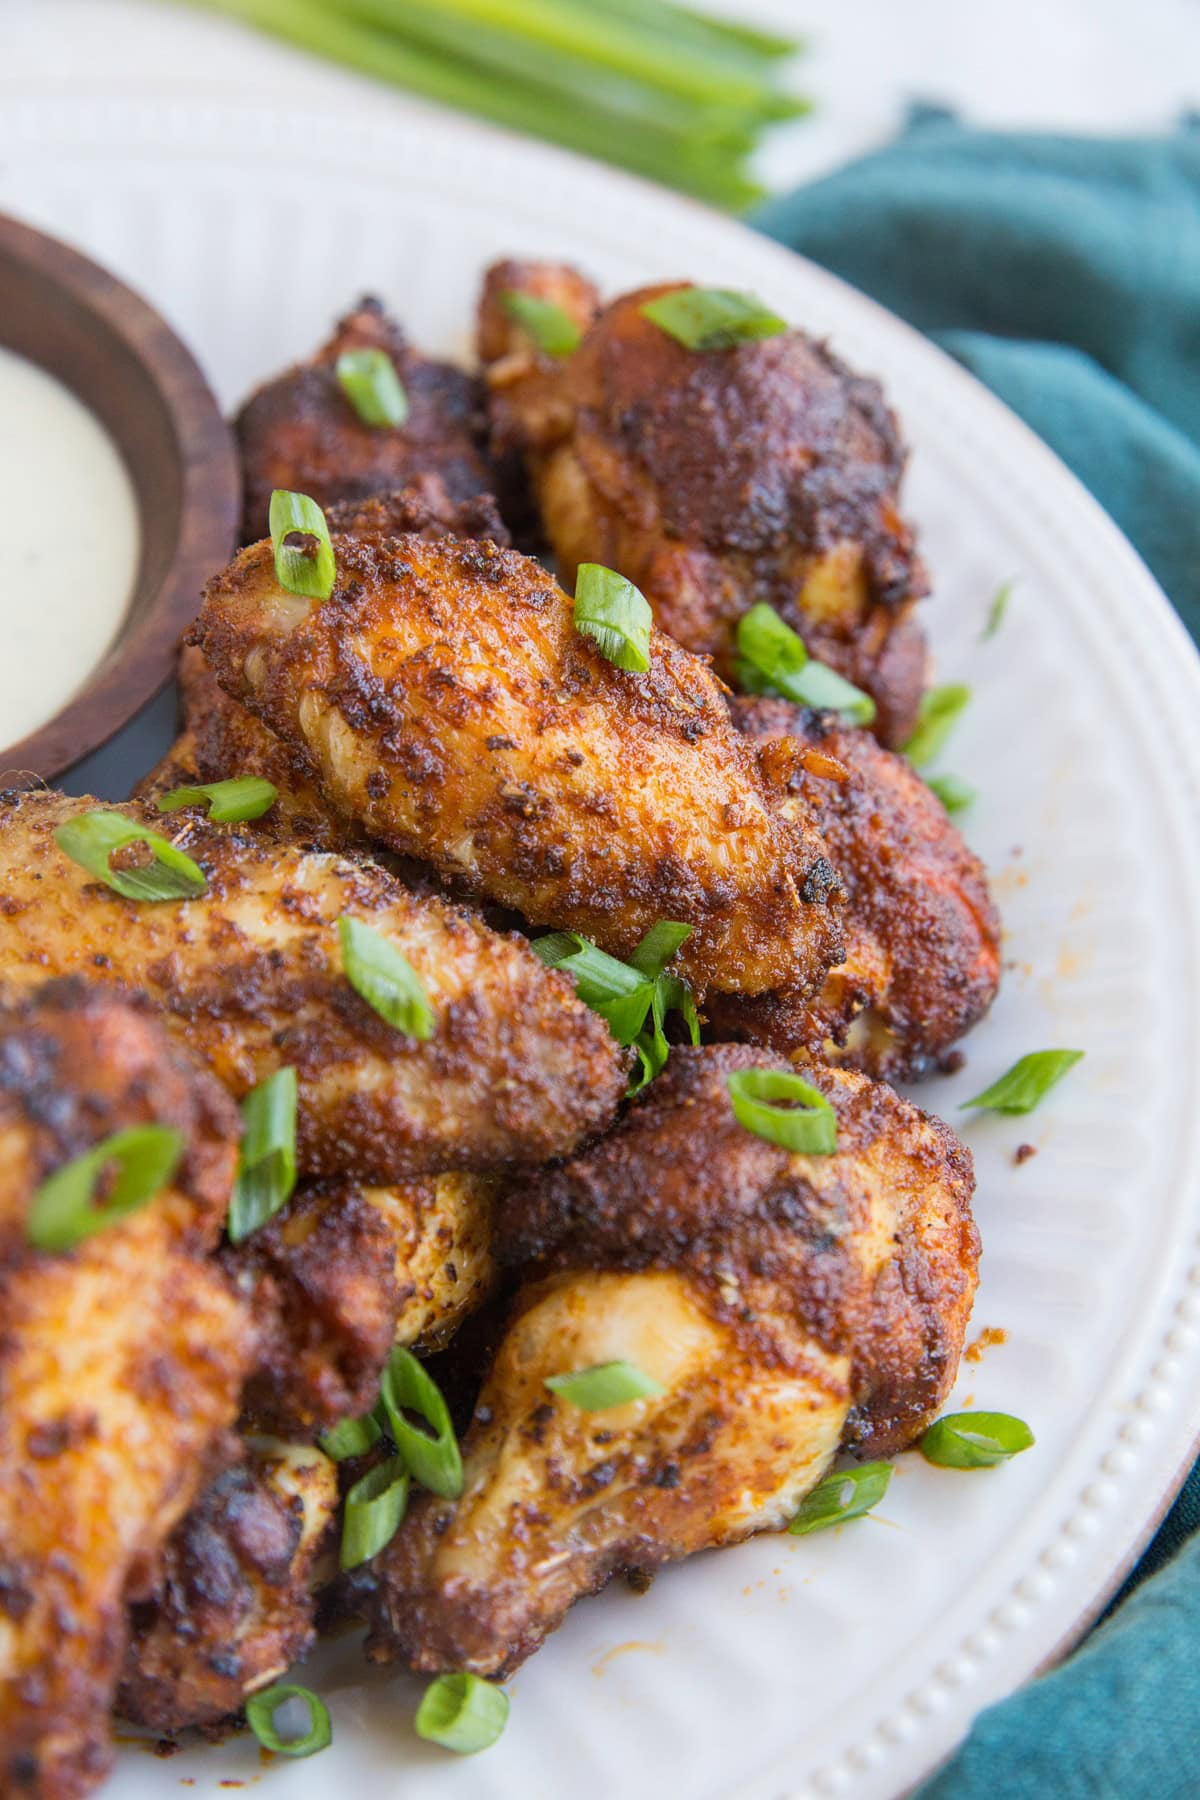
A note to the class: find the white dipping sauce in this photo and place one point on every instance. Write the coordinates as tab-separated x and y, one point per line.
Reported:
69	519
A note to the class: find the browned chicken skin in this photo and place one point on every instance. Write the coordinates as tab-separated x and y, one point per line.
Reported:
922	936
452	709
716	479
346	1271
120	1365
300	431
787	1304
249	974
233	1605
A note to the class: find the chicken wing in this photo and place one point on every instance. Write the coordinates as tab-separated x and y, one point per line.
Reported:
249	974
301	432
786	1305
452	709
715	479
233	1605
922	936
346	1271
220	739
109	1410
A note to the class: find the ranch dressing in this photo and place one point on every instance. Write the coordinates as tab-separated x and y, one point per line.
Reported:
69	529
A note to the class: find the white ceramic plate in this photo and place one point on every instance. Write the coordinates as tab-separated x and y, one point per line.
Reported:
850	1661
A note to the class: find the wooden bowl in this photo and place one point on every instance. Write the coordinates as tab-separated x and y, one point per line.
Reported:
126	364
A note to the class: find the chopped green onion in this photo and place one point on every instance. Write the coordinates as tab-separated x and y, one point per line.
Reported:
954	793
229	802
260	1717
626	994
773	659
847	1495
939	710
659	946
350	1437
267	1164
612	612
997	610
551	327
462	1712
807	1122
91	839
621	995
375	1506
974	1440
300	570
1027	1083
432	1458
370	383
604	1385
712	318
65	1208
385	979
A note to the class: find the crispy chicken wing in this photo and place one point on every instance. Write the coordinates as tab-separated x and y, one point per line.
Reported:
120	1365
715	479
787	1304
922	936
300	431
220	739
249	974
343	1273
233	1605
452	709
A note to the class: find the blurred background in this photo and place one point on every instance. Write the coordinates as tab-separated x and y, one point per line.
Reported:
640	81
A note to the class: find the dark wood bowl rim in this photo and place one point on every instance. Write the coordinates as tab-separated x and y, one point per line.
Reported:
205	478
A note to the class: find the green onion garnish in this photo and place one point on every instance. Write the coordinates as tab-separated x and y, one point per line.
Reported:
432	1455
297	568
806	1122
551	328
1027	1083
604	1385
621	995
939	710
260	1717
612	612
954	793
350	1437
712	318
773	659
65	1209
91	839
462	1712
228	802
267	1164
997	610
385	979
627	994
847	1495
374	1508
659	946
974	1440
370	383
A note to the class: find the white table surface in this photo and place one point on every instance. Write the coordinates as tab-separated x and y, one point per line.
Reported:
1085	65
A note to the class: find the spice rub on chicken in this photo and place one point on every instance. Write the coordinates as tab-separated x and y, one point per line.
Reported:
786	1305
922	961
250	975
121	1360
301	431
450	707
715	479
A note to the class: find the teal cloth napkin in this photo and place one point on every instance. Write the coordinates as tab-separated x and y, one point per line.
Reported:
1065	273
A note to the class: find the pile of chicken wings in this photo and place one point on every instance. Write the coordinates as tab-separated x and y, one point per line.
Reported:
461	770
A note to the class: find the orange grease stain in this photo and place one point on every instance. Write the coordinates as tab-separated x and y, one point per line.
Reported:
655	1647
991	1334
